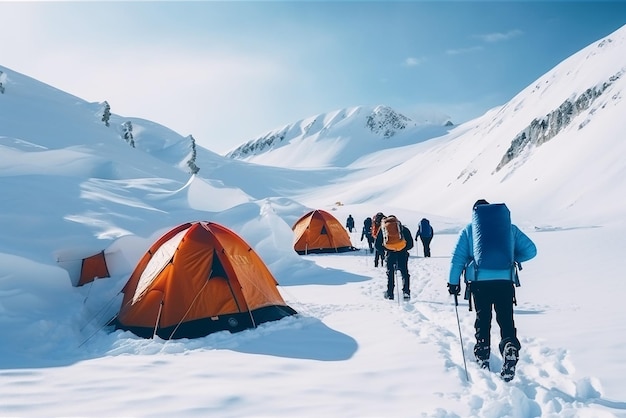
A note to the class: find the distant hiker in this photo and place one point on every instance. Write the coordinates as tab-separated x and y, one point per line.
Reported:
379	254
367	233
350	223
396	241
425	233
489	251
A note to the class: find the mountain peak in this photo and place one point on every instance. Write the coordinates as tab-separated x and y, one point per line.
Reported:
386	121
342	136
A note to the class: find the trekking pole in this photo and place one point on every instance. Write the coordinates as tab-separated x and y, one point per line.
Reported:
458	322
395	281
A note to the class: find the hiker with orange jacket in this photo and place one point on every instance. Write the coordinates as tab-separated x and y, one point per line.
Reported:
395	240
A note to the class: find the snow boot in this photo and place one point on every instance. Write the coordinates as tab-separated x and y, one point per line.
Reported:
511	356
483	364
481	352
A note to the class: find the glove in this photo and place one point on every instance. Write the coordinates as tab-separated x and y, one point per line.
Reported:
454	289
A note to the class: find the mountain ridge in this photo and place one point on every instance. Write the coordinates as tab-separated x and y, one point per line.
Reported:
569	119
371	128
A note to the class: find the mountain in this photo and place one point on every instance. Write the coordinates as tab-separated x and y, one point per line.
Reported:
337	138
569	120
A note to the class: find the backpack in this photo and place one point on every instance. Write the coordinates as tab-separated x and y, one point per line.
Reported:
492	236
375	222
393	239
426	230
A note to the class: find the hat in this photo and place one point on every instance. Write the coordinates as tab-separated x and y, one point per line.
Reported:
480	202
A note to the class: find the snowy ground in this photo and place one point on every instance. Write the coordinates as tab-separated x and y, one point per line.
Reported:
348	353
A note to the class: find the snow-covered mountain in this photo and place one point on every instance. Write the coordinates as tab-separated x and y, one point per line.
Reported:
339	137
569	120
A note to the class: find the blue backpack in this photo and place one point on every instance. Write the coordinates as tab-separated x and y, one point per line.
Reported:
426	230
493	243
492	236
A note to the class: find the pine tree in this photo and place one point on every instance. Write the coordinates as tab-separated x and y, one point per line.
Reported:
106	114
127	129
191	163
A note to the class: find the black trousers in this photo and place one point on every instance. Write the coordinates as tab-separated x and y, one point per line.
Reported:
399	260
378	255
426	244
496	295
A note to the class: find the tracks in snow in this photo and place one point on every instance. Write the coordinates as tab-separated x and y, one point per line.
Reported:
544	384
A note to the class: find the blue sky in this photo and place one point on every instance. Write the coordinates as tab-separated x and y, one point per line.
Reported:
227	72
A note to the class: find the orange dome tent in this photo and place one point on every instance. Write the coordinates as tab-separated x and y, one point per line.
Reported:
197	279
320	232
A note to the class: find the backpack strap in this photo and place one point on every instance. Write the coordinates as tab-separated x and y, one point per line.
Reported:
517	266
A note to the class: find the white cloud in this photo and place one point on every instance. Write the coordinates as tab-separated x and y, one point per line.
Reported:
413	62
460	51
498	36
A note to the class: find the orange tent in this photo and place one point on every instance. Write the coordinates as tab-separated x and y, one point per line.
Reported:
93	267
320	232
197	279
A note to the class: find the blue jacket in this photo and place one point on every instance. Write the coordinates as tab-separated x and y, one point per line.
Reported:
463	256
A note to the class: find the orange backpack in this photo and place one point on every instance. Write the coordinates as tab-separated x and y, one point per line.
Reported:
392	234
376	221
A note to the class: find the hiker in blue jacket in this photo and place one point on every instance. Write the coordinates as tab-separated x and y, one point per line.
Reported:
491	289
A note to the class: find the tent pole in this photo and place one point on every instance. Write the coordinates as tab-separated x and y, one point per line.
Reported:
156	325
251	317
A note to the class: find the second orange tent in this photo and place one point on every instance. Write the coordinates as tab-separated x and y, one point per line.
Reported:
320	232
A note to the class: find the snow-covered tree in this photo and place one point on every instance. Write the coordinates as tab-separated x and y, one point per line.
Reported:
127	133
191	163
106	113
3	77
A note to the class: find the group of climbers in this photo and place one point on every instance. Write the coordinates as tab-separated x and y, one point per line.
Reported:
487	254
